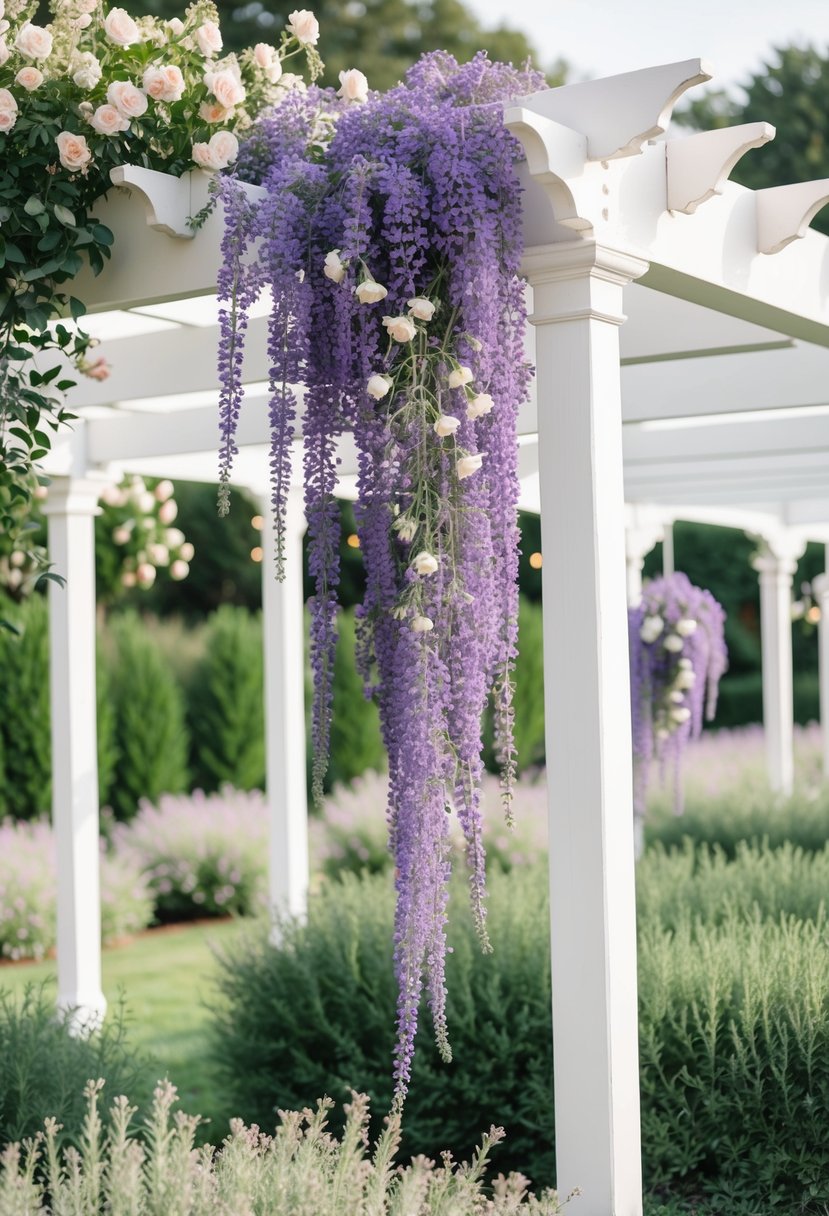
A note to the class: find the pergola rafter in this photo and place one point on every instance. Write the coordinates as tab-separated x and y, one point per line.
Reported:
728	298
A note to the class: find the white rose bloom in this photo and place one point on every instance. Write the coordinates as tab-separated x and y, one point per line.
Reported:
86	70
479	405
460	376
145	575
127	99
651	628
686	626
685	679
5	53
680	714
447	424
187	552
677	697
353	85
378	386
467	465
209	38
33	41
369	292
8	110
179	570
120	28
334	267
304	26
421	308
425	563
29	79
401	329
176	26
73	152
686	664
673	643
422	624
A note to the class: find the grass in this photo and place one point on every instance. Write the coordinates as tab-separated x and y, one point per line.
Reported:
165	977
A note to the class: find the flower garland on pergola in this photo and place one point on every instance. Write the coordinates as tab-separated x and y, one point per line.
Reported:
390	238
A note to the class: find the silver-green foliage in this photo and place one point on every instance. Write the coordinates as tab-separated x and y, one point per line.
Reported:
302	1170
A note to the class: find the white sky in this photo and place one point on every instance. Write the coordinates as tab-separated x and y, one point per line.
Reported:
604	37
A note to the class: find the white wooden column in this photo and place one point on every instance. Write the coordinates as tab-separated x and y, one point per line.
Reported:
776	562
577	289
668	562
284	636
820	589
71	507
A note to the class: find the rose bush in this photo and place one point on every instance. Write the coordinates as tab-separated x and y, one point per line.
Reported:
92	90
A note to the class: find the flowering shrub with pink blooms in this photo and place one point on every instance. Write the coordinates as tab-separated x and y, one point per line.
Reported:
202	855
28	892
92	89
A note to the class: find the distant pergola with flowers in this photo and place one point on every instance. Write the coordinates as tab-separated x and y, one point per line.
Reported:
710	402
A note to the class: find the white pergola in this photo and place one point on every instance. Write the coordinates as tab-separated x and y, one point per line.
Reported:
710	402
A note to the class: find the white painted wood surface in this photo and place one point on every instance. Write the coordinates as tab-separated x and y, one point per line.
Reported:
820	590
577	309
643	529
284	632
776	563
70	510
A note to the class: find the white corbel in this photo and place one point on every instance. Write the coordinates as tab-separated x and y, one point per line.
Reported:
619	114
700	165
554	153
784	213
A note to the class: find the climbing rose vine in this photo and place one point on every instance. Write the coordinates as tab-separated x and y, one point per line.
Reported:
677	655
389	237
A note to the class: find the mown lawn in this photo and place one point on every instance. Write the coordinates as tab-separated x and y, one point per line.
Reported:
164	977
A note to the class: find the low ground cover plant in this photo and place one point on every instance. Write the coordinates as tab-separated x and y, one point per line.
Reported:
43	1068
300	1170
734	1025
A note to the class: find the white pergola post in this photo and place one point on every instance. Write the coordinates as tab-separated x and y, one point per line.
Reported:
776	562
284	629
668	561
71	507
820	589
577	291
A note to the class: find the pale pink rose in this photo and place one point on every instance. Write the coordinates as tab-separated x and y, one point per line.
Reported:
222	149
378	386
179	570
121	535
83	22
108	121
128	578
460	376
304	26
33	41
145	575
425	563
422	624
127	99
4	52
334	267
73	151
209	38
227	89
86	70
421	308
158	554
120	27
167	511
99	370
266	58
146	503
187	551
8	110
479	405
163	491
353	85
29	79
467	465
173	538
402	329
447	424
164	83
369	292
211	111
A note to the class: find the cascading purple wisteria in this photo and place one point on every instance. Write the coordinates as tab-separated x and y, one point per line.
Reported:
677	656
390	238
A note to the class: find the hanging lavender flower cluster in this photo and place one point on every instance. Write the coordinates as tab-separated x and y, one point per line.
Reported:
390	239
677	656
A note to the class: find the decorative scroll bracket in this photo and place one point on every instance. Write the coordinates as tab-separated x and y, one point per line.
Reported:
784	213
700	165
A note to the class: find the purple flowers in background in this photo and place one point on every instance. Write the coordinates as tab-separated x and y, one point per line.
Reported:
390	239
677	656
